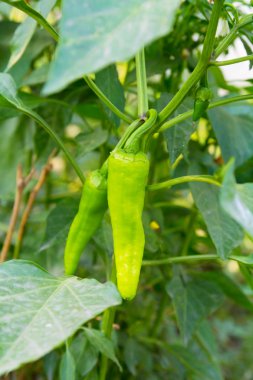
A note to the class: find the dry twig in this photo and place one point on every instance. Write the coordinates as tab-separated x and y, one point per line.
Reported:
21	183
43	175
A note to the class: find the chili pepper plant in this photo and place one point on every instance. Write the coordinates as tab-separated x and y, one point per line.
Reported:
126	191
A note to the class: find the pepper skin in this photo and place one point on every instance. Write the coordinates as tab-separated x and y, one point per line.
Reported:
127	179
92	207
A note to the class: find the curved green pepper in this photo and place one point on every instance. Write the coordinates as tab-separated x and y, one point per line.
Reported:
128	171
92	207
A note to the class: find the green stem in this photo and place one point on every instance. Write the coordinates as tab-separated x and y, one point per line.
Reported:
33	115
187	178
232	61
138	137
106	101
180	259
178	119
201	66
107	323
24	7
224	44
142	88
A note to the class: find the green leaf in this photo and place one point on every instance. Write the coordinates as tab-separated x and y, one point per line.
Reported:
58	222
178	136
107	80
233	128
8	92
90	141
193	301
85	354
226	234
248	260
102	344
95	34
237	200
53	311
67	366
199	368
26	29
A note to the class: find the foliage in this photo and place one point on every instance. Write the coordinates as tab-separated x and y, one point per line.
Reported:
73	77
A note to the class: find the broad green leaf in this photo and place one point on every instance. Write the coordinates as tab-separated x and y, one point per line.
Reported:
196	366
56	307
207	340
8	92
233	128
67	366
230	288
248	260
51	364
5	9
58	222
7	29
90	141
205	348
95	34
237	200
15	142
193	301
85	354
107	80
226	234
178	136
39	42
102	344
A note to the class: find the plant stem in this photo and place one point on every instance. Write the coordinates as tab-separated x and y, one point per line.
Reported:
183	116
232	61
201	66
224	44
187	178
180	259
106	101
24	7
142	89
107	323
33	115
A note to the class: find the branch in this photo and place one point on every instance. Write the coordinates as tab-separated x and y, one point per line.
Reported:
30	202
188	178
180	259
183	116
232	61
21	183
201	66
106	100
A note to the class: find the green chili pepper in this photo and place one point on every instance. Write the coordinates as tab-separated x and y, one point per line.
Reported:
92	207
128	170
202	100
